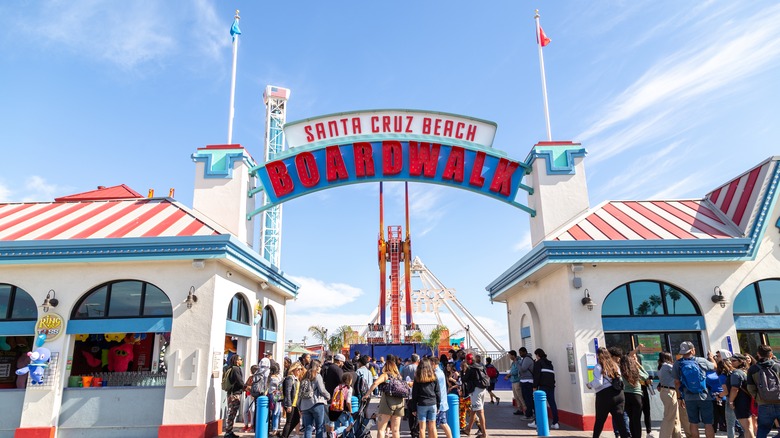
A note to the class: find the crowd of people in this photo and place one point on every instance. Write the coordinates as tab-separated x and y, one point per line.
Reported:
318	395
734	393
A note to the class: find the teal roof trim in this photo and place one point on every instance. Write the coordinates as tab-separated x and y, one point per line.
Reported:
141	249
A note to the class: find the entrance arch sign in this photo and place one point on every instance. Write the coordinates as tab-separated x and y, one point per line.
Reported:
391	145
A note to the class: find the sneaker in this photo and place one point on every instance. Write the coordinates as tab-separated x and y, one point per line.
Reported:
555	426
649	435
518	413
528	417
497	400
532	425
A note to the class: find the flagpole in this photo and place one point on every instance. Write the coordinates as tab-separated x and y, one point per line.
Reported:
541	69
233	78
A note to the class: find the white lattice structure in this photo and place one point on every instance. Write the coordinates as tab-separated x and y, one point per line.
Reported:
431	296
275	99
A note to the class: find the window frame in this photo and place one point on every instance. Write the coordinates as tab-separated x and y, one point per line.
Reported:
9	311
758	297
244	306
107	303
662	290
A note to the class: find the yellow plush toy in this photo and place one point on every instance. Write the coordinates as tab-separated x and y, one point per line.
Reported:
114	337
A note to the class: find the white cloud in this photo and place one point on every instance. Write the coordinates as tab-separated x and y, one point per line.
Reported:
5	193
524	244
316	294
717	61
130	34
36	188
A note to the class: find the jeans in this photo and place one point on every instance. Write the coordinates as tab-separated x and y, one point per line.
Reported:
731	420
550	391
314	418
767	414
527	389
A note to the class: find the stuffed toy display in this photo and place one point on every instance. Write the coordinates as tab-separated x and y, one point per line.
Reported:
119	357
39	360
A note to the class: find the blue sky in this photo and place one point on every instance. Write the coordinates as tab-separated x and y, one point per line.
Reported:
671	99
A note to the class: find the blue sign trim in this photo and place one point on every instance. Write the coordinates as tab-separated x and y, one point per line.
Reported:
17	328
490	168
120	325
651	323
238	329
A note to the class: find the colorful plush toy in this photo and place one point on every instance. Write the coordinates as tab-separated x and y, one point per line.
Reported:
119	357
115	337
39	360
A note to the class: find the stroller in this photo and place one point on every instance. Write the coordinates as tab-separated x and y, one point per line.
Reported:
361	424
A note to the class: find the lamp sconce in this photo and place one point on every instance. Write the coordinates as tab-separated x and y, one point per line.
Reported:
718	298
198	263
264	285
50	300
529	284
587	301
191	298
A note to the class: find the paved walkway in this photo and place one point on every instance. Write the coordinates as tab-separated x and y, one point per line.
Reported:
502	423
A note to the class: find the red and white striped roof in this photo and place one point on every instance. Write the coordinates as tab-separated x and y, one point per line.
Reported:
737	198
726	212
108	219
650	220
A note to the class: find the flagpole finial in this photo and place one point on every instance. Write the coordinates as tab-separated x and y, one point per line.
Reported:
237	17
537	14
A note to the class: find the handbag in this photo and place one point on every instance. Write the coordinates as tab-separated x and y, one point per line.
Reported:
395	387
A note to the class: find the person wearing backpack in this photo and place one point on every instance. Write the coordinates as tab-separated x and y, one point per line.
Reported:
340	406
763	383
249	400
492	373
234	387
690	378
391	402
478	381
610	399
313	401
544	380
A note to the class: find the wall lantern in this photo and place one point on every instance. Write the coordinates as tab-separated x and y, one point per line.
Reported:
587	301
718	297
50	301
191	298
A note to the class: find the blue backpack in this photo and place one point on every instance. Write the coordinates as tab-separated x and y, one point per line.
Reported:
692	376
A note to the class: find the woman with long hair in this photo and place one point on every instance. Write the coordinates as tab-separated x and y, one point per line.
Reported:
465	399
290	387
426	396
609	397
313	407
633	376
391	408
670	424
739	399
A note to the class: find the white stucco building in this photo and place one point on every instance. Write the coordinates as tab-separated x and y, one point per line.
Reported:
143	293
653	272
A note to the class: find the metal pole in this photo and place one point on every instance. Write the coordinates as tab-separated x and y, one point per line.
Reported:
453	414
542	423
261	417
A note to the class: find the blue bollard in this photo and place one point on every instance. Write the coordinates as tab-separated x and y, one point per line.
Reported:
261	417
542	423
355	404
453	414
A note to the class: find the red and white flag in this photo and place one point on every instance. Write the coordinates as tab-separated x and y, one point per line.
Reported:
542	37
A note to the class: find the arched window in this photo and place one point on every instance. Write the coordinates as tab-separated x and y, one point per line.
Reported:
123	299
16	304
759	297
238	310
269	319
648	298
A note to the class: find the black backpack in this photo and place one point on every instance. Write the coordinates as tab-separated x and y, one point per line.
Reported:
482	379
